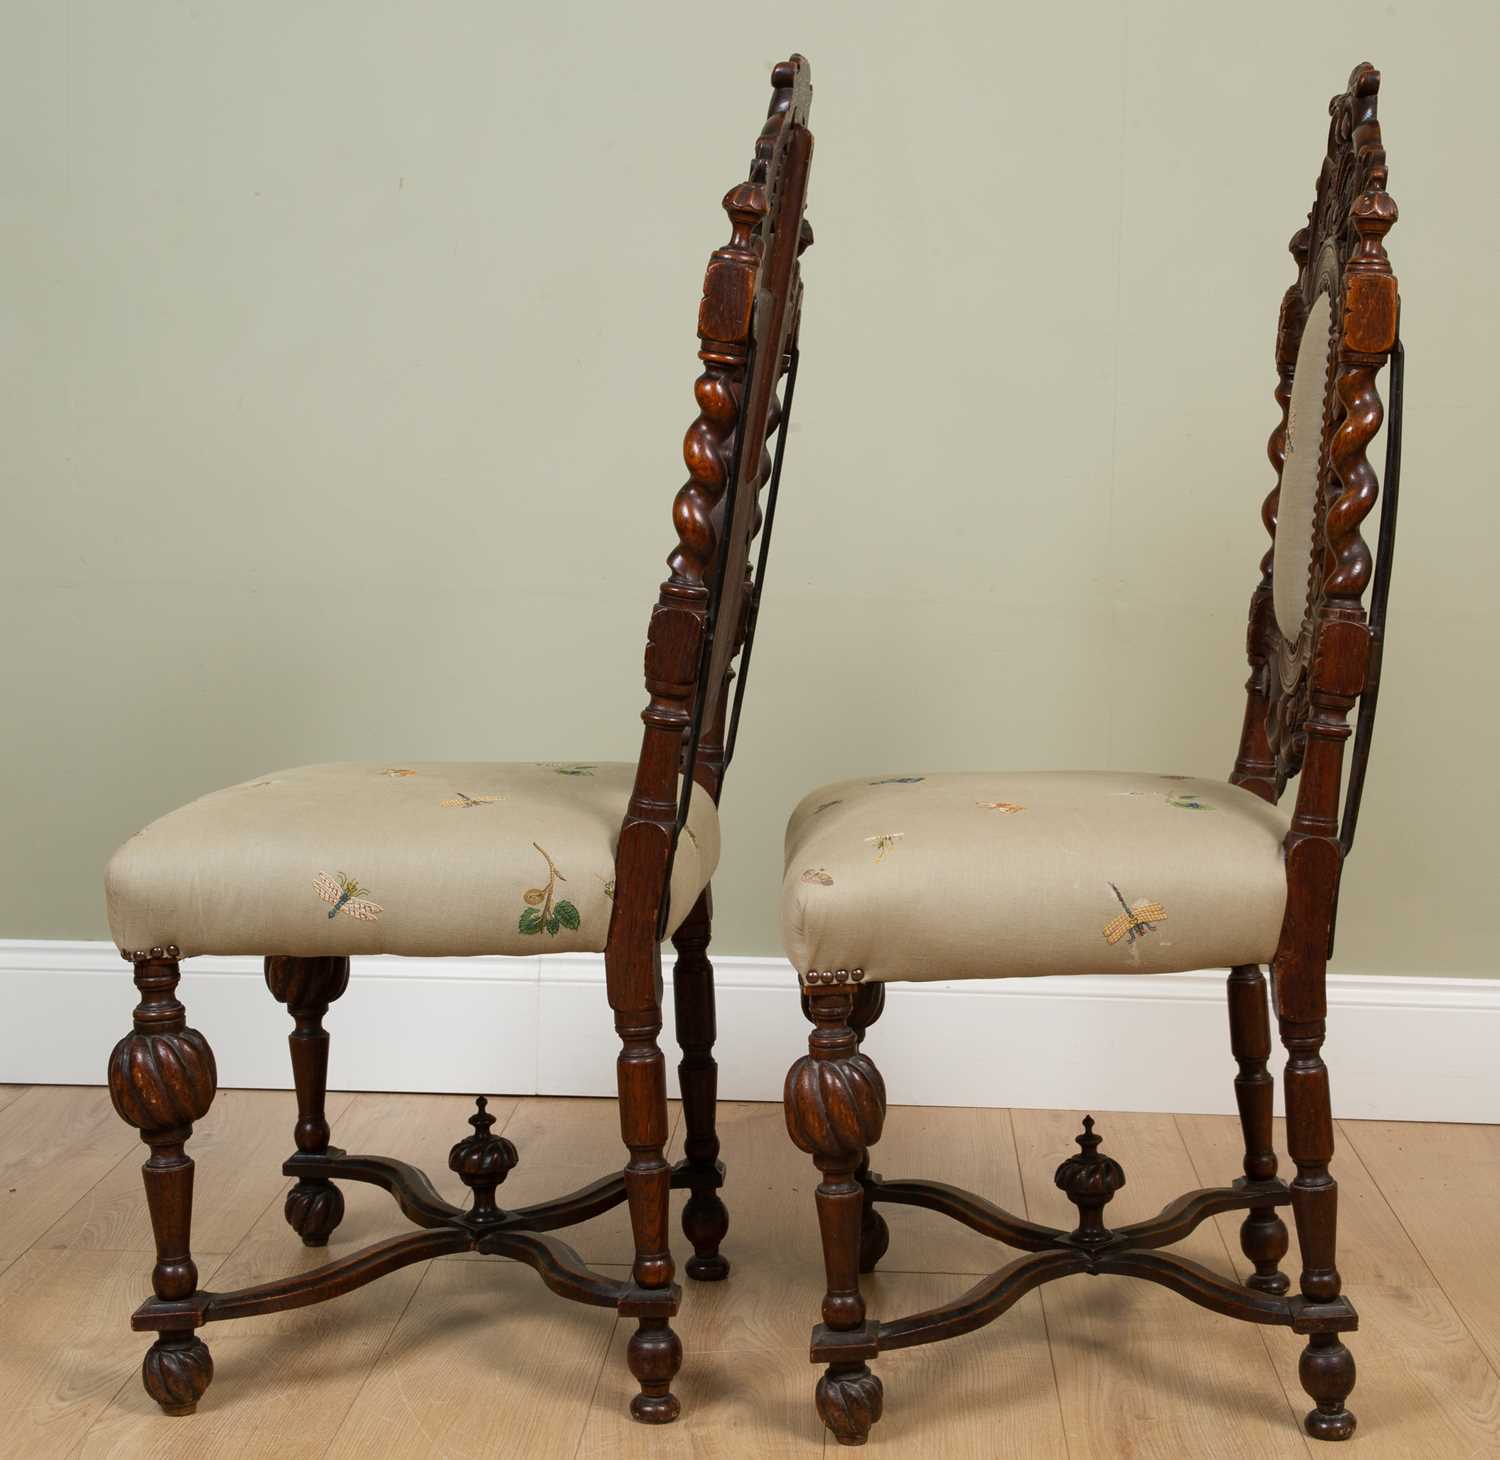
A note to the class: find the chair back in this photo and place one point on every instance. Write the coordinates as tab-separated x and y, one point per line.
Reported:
1314	651
704	617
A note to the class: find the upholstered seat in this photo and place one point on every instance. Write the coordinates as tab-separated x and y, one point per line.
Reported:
428	858
990	874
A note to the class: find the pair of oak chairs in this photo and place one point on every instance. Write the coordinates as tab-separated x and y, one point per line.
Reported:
1042	873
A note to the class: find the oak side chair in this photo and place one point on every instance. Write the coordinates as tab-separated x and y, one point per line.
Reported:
466	859
1099	872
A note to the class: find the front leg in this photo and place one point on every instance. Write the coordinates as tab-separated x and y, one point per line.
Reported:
1326	1367
705	1219
655	1351
307	986
161	1079
835	1109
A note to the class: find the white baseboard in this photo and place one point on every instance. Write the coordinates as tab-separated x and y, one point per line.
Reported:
1399	1048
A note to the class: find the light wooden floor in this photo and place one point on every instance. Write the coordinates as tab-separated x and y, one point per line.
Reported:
471	1357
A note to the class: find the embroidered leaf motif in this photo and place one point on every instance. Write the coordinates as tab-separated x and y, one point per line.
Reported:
1137	919
819	875
884	843
898	781
347	897
540	913
838	801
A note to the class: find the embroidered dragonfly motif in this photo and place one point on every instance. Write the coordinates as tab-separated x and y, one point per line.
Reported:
347	896
1135	921
467	803
884	843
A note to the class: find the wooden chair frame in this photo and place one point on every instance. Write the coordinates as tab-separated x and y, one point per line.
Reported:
1299	698
162	1076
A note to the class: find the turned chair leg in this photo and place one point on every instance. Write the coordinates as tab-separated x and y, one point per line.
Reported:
1327	1367
705	1220
655	1351
162	1079
1263	1235
307	986
835	1109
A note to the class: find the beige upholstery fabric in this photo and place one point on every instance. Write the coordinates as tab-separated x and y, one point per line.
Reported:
448	859
1297	505
991	875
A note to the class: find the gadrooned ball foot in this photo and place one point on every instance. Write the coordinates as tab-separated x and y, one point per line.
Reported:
177	1371
850	1400
314	1208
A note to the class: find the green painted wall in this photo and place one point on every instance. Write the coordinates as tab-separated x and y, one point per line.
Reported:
347	350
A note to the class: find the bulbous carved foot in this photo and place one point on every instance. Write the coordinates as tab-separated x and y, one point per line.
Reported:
177	1371
705	1222
874	1239
850	1399
1263	1240
654	1356
1326	1370
314	1208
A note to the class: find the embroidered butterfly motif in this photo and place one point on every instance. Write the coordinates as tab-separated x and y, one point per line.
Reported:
819	875
1135	921
884	843
467	803
347	896
1006	808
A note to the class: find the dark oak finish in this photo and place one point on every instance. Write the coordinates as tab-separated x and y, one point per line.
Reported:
162	1075
1299	698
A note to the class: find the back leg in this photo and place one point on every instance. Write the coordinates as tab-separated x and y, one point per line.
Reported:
1263	1235
307	986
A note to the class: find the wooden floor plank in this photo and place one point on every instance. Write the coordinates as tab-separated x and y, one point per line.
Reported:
469	1356
66	1348
11	1092
1424	1387
485	1364
56	1142
1142	1371
1438	1179
238	1148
